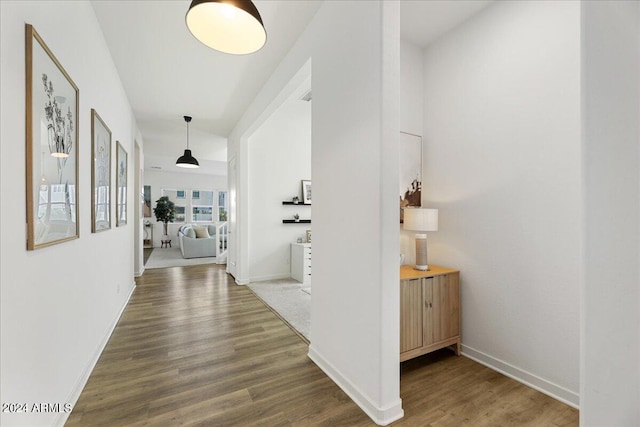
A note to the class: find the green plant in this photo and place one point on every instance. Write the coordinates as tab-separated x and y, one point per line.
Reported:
165	211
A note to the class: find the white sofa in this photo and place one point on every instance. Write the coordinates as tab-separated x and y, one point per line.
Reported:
197	247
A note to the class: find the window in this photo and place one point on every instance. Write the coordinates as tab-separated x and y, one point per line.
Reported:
222	206
198	205
177	197
202	206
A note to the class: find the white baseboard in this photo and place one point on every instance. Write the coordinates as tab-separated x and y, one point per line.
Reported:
381	416
61	419
270	277
139	273
544	386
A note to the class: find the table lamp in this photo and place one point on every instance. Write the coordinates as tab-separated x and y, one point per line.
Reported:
419	219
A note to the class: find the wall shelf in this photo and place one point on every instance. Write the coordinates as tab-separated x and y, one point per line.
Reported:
296	204
293	221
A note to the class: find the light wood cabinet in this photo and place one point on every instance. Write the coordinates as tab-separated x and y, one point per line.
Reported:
429	310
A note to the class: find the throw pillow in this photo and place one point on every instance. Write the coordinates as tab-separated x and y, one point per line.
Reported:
201	232
188	232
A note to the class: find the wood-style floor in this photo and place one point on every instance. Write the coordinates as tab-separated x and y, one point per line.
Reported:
193	348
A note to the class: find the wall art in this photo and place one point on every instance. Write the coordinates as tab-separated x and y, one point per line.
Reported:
100	174
306	192
121	185
51	147
410	171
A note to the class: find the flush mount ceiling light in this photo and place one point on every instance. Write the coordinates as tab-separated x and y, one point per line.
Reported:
230	26
187	160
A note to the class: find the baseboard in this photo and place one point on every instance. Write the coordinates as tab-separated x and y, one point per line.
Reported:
381	416
61	419
544	386
140	273
270	277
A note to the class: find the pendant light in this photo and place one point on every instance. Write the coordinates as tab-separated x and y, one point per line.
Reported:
187	160
229	26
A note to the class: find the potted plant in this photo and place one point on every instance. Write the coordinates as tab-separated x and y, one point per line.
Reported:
296	218
165	212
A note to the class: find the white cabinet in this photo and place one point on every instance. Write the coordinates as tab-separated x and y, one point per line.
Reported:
301	262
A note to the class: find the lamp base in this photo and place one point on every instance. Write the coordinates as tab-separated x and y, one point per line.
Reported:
421	253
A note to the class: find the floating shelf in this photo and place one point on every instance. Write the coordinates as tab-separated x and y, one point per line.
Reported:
296	204
293	221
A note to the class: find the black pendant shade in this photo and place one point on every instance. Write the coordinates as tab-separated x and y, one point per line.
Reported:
229	26
187	160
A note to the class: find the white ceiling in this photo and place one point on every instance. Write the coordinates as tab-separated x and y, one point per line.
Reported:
167	73
423	21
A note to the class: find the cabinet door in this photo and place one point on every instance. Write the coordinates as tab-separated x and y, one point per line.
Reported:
411	314
445	307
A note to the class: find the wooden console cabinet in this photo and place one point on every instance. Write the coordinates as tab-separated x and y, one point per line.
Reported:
429	310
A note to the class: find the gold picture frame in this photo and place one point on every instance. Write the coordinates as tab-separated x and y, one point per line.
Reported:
100	174
51	132
121	185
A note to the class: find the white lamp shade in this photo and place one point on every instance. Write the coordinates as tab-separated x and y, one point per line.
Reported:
419	219
230	26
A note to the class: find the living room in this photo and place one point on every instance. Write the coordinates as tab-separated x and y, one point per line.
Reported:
535	226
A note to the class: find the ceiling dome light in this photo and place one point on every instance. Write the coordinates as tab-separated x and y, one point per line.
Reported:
187	160
230	26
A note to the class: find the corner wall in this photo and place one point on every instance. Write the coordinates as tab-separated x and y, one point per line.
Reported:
279	158
502	162
355	52
610	377
59	303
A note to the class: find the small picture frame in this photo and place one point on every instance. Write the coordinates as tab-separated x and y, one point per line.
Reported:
121	185
306	192
100	174
308	236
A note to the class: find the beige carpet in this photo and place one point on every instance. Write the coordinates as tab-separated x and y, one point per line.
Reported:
290	299
172	257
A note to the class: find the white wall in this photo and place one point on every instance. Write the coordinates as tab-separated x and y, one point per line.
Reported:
502	162
610	378
279	158
159	180
411	115
355	52
59	303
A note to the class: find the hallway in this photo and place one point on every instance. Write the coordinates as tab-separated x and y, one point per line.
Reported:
193	348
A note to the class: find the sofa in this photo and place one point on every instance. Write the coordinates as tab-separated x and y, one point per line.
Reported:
197	241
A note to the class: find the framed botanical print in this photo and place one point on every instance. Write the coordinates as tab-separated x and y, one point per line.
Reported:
100	174
51	147
410	153
306	192
121	185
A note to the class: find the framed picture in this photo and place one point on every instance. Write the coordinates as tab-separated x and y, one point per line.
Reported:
147	201
306	192
121	185
51	147
308	236
100	174
410	153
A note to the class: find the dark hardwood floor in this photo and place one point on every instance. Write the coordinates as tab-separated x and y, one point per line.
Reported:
193	348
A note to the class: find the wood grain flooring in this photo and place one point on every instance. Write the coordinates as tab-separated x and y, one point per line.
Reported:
192	348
